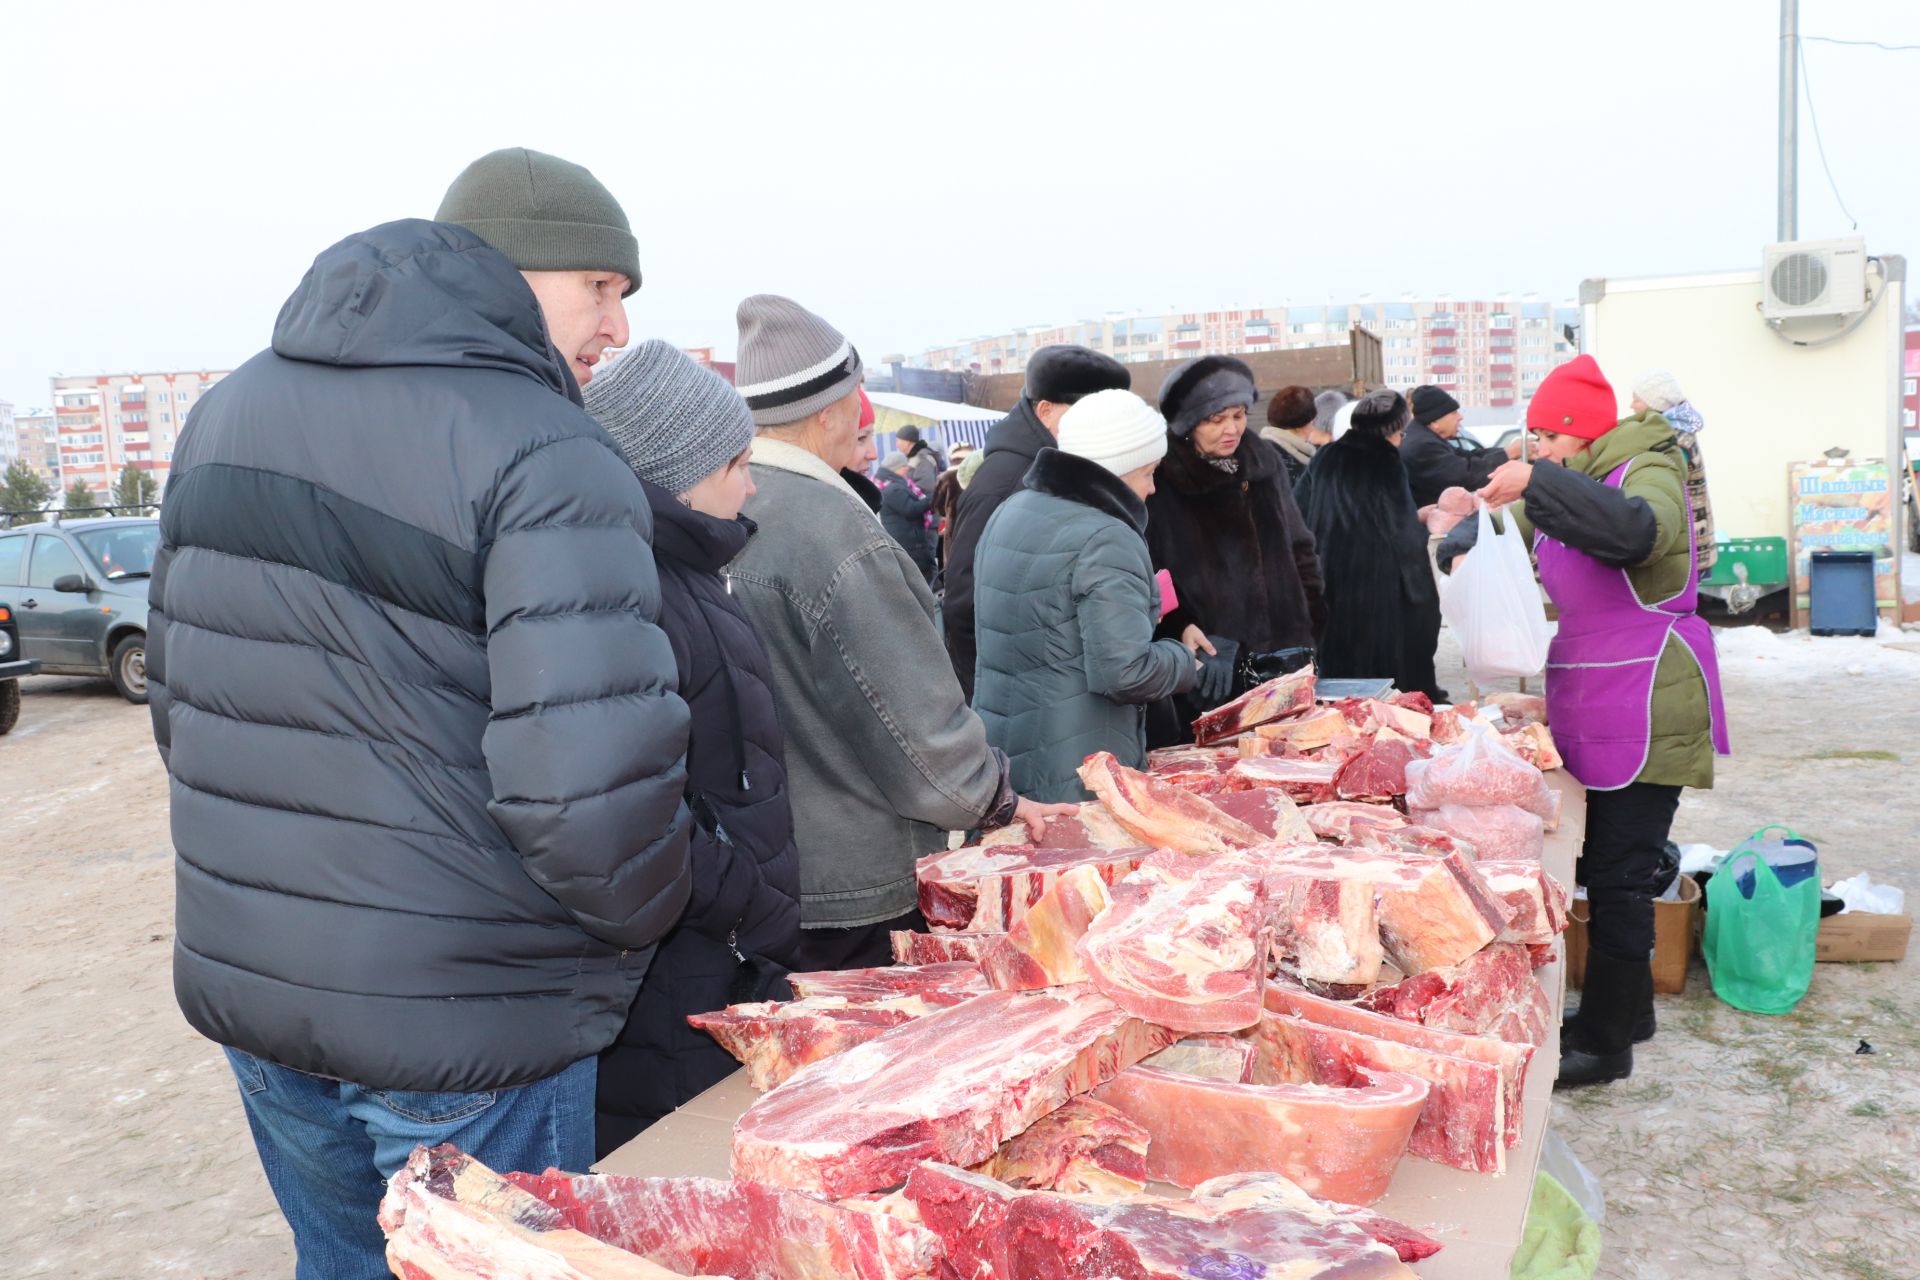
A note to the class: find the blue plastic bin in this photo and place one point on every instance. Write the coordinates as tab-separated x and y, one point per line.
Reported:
1840	594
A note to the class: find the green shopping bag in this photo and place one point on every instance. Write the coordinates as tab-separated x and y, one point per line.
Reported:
1760	949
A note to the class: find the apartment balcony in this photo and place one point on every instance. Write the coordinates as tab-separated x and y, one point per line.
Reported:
77	411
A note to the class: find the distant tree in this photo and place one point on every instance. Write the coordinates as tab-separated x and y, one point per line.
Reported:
136	492
23	491
79	496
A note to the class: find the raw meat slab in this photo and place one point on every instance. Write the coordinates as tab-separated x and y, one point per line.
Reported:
1471	997
959	979
1433	910
1211	1054
1326	932
1242	1228
950	1086
1308	732
1084	1148
1184	943
911	948
1091	827
1307	781
775	1038
1537	901
1340	1144
1289	695
986	889
1160	815
1268	810
1378	773
1040	949
448	1217
1339	819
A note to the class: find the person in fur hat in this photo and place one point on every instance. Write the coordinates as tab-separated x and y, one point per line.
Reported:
1224	525
1383	609
1293	428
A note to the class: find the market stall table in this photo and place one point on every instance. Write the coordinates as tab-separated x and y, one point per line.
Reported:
1477	1216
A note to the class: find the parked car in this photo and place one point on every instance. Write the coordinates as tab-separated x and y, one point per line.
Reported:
79	595
12	667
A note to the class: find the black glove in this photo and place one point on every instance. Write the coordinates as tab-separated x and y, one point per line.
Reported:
1215	684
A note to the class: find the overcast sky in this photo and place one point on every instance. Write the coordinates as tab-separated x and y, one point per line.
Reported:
920	173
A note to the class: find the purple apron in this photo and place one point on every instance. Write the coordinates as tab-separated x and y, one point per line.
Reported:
1601	664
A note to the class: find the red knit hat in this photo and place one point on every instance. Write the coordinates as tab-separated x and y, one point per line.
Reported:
1574	400
866	410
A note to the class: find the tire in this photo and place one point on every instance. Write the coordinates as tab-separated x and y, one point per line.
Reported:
128	668
9	704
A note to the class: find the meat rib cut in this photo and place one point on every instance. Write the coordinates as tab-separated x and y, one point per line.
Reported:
1434	910
1326	932
1084	1148
1289	695
1341	819
1509	1060
951	1086
1040	949
1160	815
1537	901
948	983
1184	943
1307	781
1243	1228
938	948
1340	1144
1489	992
983	889
447	1216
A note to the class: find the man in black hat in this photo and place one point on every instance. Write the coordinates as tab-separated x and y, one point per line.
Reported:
1435	456
1057	378
923	460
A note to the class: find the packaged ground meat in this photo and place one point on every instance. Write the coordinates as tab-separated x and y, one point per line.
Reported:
1497	832
1480	771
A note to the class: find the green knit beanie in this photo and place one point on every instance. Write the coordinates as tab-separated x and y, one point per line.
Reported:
543	213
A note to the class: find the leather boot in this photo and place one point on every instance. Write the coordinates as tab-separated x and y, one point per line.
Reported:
1597	1046
1643	1026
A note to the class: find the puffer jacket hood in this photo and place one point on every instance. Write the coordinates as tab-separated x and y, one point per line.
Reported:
415	292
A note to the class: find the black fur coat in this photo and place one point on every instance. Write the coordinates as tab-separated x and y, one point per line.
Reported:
1383	611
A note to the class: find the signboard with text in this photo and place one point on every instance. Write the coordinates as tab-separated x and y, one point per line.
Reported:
1843	506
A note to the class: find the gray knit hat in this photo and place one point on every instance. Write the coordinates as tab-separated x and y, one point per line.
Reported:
790	362
675	422
543	213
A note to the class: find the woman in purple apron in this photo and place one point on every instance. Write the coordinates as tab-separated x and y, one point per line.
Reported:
1633	688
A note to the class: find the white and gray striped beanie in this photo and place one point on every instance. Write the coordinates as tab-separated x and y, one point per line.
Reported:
791	363
675	422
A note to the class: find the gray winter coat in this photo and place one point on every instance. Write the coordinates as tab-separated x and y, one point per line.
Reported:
425	749
883	756
1064	612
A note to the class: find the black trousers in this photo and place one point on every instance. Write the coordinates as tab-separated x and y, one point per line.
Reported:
865	946
1626	834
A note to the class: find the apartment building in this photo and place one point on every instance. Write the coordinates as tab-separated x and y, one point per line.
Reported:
37	443
1490	352
9	441
108	422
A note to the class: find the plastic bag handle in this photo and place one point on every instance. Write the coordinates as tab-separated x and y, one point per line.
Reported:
1759	864
1773	826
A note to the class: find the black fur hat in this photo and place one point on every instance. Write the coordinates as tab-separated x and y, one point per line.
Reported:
1203	387
1064	374
1380	413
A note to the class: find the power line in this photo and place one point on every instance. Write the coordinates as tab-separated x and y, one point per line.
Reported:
1806	85
1864	44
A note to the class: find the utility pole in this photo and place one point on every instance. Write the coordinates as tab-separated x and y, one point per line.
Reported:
1789	219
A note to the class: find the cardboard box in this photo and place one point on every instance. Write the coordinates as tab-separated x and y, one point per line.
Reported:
1858	935
1674	930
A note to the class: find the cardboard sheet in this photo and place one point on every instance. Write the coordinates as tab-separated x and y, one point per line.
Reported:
1478	1216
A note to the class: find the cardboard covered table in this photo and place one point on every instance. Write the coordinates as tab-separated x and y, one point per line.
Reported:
1477	1216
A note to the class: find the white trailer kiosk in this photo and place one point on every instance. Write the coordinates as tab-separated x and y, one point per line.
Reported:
1796	370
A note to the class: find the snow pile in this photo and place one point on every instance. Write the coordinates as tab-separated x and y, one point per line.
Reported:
1798	655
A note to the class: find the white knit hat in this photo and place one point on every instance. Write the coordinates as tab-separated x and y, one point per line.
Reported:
1659	390
1343	419
1116	429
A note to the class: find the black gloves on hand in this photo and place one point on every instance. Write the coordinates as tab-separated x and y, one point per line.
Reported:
1215	684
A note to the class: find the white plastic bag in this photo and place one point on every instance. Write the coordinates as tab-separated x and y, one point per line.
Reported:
1494	608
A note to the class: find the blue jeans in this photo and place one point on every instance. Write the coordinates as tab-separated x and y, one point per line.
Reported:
328	1148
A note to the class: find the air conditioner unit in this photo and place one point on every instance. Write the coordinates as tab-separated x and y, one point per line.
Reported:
1814	278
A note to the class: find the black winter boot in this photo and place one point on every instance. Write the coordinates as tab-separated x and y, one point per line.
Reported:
1643	1026
1597	1046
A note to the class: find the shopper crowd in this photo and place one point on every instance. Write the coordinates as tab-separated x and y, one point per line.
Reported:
519	703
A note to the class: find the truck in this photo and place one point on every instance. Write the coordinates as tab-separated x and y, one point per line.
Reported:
1797	373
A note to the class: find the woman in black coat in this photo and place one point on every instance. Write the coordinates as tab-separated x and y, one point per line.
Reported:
904	504
1383	611
1223	524
688	436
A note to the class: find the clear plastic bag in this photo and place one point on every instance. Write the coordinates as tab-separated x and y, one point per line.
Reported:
1491	602
1497	832
1558	1162
1480	771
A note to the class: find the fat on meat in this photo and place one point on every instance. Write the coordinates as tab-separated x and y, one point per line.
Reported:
1326	931
1248	1227
958	979
1277	699
1308	781
951	1086
1040	950
1163	816
1184	942
1090	827
912	948
981	889
1537	902
1340	1143
1084	1148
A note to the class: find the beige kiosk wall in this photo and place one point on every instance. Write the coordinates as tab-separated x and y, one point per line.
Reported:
1766	404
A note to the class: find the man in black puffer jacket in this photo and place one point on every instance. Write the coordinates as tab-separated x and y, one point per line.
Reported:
427	759
687	434
1057	378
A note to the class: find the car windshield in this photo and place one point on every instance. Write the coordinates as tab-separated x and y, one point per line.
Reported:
123	551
